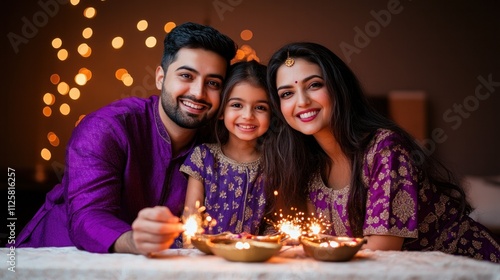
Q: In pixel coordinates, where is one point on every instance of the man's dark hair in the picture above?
(193, 35)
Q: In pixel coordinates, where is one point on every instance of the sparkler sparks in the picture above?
(315, 228)
(297, 225)
(192, 225)
(290, 228)
(196, 223)
(316, 225)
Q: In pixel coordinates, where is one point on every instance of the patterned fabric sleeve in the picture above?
(193, 165)
(391, 207)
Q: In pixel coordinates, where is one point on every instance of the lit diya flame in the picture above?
(330, 243)
(242, 245)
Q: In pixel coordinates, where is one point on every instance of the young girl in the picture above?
(226, 177)
(358, 169)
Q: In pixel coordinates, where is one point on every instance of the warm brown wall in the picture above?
(442, 47)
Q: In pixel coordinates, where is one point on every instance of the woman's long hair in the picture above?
(354, 123)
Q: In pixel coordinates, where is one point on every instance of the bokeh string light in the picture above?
(71, 89)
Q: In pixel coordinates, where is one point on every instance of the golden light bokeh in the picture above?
(63, 88)
(253, 57)
(151, 42)
(86, 72)
(240, 55)
(47, 111)
(62, 54)
(245, 53)
(45, 153)
(142, 25)
(55, 143)
(84, 50)
(117, 42)
(127, 79)
(74, 2)
(80, 79)
(53, 139)
(169, 26)
(49, 99)
(74, 93)
(120, 72)
(89, 12)
(246, 35)
(64, 109)
(51, 136)
(54, 79)
(87, 33)
(246, 49)
(56, 43)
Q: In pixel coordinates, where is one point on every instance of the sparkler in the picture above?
(297, 225)
(196, 223)
(316, 225)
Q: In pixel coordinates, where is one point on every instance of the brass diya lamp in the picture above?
(244, 249)
(199, 241)
(331, 248)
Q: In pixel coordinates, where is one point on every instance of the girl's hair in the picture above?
(354, 124)
(251, 72)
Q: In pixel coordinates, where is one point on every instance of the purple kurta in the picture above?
(400, 204)
(117, 162)
(234, 191)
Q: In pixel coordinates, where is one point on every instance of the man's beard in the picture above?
(179, 117)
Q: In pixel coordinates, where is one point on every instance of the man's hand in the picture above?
(154, 230)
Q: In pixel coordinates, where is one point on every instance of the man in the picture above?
(122, 190)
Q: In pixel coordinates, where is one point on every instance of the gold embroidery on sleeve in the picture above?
(403, 206)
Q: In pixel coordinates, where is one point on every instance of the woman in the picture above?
(347, 163)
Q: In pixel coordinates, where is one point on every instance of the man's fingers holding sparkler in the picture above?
(155, 229)
(158, 214)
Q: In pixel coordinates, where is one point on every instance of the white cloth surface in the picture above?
(290, 263)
